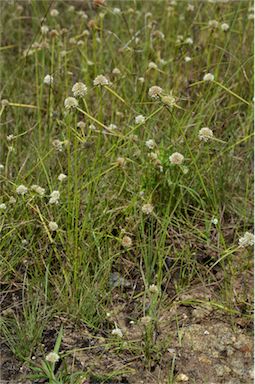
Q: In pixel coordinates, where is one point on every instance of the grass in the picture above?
(112, 174)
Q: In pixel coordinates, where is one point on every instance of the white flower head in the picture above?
(141, 79)
(246, 240)
(1, 167)
(176, 158)
(3, 207)
(153, 289)
(147, 208)
(150, 143)
(116, 11)
(208, 77)
(155, 92)
(112, 127)
(52, 357)
(168, 100)
(12, 200)
(117, 332)
(101, 80)
(213, 24)
(62, 177)
(81, 125)
(140, 119)
(39, 190)
(44, 29)
(187, 59)
(224, 27)
(116, 71)
(54, 12)
(214, 221)
(21, 190)
(79, 89)
(152, 65)
(189, 41)
(54, 197)
(205, 134)
(126, 241)
(53, 226)
(71, 102)
(48, 80)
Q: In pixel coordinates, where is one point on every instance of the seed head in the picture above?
(53, 226)
(79, 89)
(155, 92)
(147, 208)
(71, 102)
(52, 357)
(205, 134)
(176, 158)
(208, 77)
(127, 242)
(101, 80)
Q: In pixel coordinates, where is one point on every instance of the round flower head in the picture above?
(52, 357)
(208, 77)
(21, 190)
(147, 208)
(112, 127)
(150, 144)
(71, 102)
(121, 161)
(38, 189)
(116, 11)
(44, 29)
(246, 240)
(117, 332)
(116, 71)
(152, 65)
(187, 59)
(3, 207)
(168, 100)
(145, 320)
(153, 289)
(155, 92)
(12, 200)
(205, 134)
(176, 158)
(213, 24)
(189, 41)
(53, 226)
(101, 80)
(62, 177)
(54, 197)
(224, 27)
(126, 242)
(81, 125)
(140, 119)
(54, 13)
(141, 79)
(1, 167)
(48, 80)
(79, 89)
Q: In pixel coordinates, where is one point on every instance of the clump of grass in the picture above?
(126, 147)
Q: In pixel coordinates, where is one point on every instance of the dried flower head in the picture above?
(54, 197)
(126, 241)
(155, 92)
(52, 357)
(205, 134)
(246, 240)
(71, 102)
(147, 208)
(5, 102)
(150, 144)
(53, 226)
(208, 77)
(48, 80)
(79, 89)
(21, 190)
(176, 158)
(101, 80)
(140, 119)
